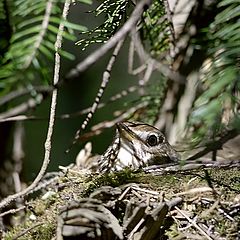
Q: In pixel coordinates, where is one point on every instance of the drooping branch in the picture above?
(41, 34)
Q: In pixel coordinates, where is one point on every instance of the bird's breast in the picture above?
(126, 158)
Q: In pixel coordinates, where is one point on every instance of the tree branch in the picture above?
(105, 80)
(126, 28)
(216, 144)
(41, 34)
(22, 92)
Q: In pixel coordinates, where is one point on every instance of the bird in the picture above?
(135, 145)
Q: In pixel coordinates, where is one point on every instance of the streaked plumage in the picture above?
(136, 145)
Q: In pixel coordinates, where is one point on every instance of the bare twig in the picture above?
(175, 6)
(126, 28)
(98, 128)
(21, 92)
(12, 211)
(27, 230)
(21, 118)
(114, 98)
(147, 63)
(44, 183)
(48, 142)
(169, 17)
(138, 47)
(190, 165)
(145, 58)
(130, 57)
(23, 107)
(105, 80)
(230, 134)
(194, 224)
(17, 155)
(146, 68)
(194, 191)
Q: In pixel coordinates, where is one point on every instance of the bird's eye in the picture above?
(152, 140)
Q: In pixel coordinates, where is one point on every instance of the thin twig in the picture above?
(22, 92)
(147, 63)
(190, 165)
(138, 47)
(48, 142)
(147, 74)
(27, 230)
(230, 134)
(105, 80)
(194, 191)
(12, 211)
(98, 128)
(44, 183)
(23, 107)
(21, 118)
(175, 6)
(18, 154)
(114, 98)
(130, 57)
(126, 28)
(194, 224)
(162, 68)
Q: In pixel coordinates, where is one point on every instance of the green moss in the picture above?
(113, 179)
(226, 178)
(45, 232)
(74, 186)
(36, 232)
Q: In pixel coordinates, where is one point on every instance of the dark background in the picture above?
(72, 97)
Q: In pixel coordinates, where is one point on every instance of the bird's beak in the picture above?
(124, 131)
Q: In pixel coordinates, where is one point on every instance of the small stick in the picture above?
(105, 80)
(27, 230)
(194, 223)
(12, 211)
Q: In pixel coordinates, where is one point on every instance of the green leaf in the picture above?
(228, 14)
(68, 24)
(208, 110)
(46, 52)
(75, 26)
(228, 2)
(67, 54)
(65, 34)
(30, 21)
(36, 8)
(86, 1)
(26, 32)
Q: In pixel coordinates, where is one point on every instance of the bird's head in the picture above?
(146, 143)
